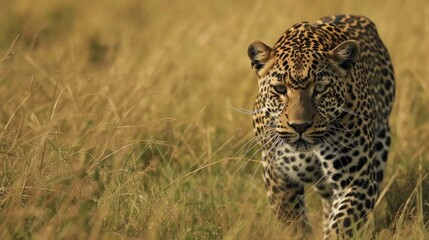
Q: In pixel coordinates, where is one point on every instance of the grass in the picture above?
(118, 120)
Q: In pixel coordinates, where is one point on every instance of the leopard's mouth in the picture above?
(300, 142)
(302, 145)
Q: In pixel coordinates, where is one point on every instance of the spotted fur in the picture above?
(325, 94)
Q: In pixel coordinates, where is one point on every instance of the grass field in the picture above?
(118, 119)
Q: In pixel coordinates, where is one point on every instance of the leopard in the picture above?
(321, 117)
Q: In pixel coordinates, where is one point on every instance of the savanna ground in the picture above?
(118, 119)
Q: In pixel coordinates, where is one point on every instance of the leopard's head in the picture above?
(302, 87)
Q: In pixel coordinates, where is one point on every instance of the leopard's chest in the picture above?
(301, 167)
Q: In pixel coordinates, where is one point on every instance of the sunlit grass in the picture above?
(118, 119)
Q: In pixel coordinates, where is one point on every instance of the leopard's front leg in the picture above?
(286, 197)
(353, 199)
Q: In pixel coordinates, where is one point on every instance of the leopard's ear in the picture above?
(261, 57)
(345, 54)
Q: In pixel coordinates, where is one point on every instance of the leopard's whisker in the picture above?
(247, 111)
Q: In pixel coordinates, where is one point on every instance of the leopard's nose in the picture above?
(300, 127)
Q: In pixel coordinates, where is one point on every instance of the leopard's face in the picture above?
(302, 106)
(301, 91)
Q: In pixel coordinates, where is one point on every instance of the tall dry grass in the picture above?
(118, 119)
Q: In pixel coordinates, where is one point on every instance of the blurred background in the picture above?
(119, 120)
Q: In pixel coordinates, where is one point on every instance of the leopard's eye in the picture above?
(320, 88)
(280, 88)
